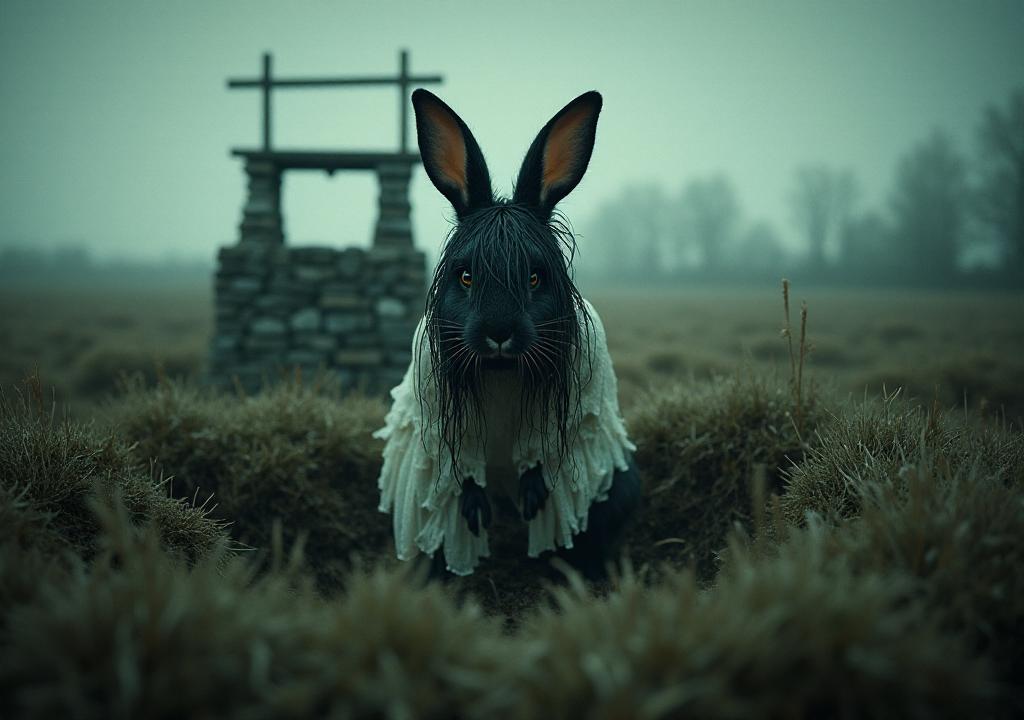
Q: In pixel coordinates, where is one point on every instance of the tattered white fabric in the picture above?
(420, 486)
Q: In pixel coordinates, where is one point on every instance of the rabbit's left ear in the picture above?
(559, 156)
(451, 156)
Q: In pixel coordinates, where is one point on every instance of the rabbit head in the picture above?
(502, 295)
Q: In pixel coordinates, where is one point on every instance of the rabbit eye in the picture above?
(466, 278)
(534, 281)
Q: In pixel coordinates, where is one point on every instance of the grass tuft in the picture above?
(905, 604)
(298, 453)
(52, 469)
(955, 533)
(873, 442)
(700, 447)
(140, 634)
(798, 634)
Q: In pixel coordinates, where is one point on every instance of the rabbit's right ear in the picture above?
(451, 157)
(559, 155)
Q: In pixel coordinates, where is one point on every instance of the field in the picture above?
(947, 346)
(955, 347)
(854, 552)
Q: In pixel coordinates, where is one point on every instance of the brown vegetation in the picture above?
(908, 607)
(953, 347)
(297, 454)
(798, 555)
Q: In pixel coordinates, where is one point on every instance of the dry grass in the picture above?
(799, 632)
(304, 455)
(53, 474)
(701, 448)
(878, 440)
(52, 470)
(80, 340)
(956, 534)
(932, 498)
(886, 580)
(142, 635)
(934, 345)
(298, 452)
(796, 635)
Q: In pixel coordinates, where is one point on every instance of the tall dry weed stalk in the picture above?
(796, 357)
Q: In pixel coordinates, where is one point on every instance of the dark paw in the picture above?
(475, 507)
(438, 568)
(532, 492)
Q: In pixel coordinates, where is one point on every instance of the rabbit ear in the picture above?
(559, 156)
(451, 157)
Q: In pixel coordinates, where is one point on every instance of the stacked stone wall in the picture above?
(350, 311)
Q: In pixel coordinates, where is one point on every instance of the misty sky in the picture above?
(116, 125)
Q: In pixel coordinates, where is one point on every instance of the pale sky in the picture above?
(116, 124)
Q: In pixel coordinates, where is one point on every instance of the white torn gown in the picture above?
(420, 487)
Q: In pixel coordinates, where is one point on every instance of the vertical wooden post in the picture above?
(265, 88)
(403, 90)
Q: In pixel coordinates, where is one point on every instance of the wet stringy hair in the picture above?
(501, 243)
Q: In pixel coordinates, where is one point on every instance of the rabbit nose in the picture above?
(499, 335)
(498, 347)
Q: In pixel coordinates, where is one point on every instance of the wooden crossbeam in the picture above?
(328, 82)
(266, 83)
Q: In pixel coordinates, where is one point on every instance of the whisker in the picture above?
(551, 341)
(533, 365)
(545, 356)
(552, 321)
(463, 350)
(451, 362)
(553, 350)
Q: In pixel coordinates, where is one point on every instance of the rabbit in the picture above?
(511, 390)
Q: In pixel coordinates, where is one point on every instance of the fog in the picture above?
(116, 122)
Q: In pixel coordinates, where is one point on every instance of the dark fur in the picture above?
(502, 246)
(606, 523)
(542, 330)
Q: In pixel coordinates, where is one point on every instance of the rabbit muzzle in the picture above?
(503, 335)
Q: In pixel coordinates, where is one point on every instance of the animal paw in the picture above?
(533, 493)
(475, 506)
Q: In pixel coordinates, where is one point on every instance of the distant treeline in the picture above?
(75, 264)
(951, 219)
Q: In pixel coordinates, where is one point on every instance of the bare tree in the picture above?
(628, 237)
(602, 240)
(1000, 197)
(645, 207)
(759, 250)
(865, 248)
(710, 209)
(822, 201)
(928, 205)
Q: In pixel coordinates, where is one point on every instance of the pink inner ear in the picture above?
(448, 148)
(561, 149)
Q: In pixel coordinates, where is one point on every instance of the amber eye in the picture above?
(534, 281)
(466, 278)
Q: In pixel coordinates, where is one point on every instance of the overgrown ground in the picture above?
(953, 346)
(932, 344)
(856, 557)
